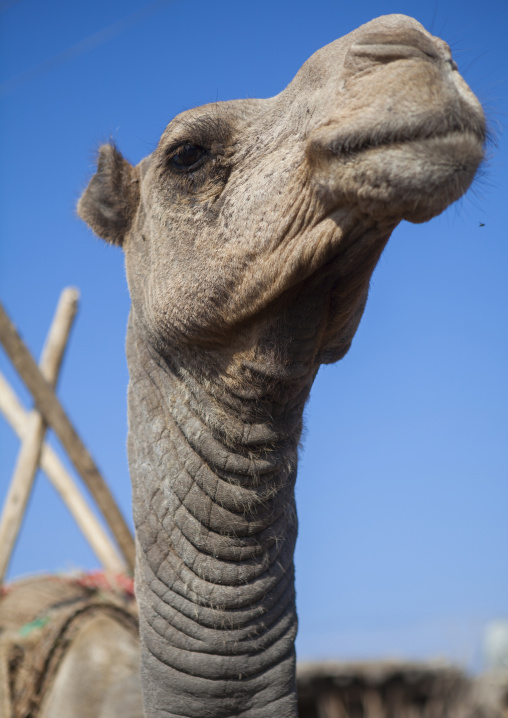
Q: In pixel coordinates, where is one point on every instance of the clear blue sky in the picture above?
(403, 484)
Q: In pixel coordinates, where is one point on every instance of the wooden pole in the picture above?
(11, 408)
(30, 452)
(55, 416)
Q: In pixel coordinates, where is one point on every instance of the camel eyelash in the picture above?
(187, 157)
(203, 132)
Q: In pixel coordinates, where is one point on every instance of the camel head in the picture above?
(244, 204)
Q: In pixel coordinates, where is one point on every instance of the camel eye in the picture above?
(187, 156)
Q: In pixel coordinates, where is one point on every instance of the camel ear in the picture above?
(109, 203)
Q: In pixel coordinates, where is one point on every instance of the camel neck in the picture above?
(216, 527)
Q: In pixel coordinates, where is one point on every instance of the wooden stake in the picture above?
(98, 539)
(30, 452)
(53, 413)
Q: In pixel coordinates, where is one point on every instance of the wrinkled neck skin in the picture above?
(213, 473)
(213, 440)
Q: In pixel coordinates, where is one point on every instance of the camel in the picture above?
(250, 235)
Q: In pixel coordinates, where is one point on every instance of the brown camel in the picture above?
(250, 236)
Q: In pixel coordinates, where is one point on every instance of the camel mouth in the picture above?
(349, 146)
(399, 175)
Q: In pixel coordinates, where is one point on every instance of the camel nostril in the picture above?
(384, 47)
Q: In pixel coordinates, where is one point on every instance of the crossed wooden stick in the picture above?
(31, 428)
